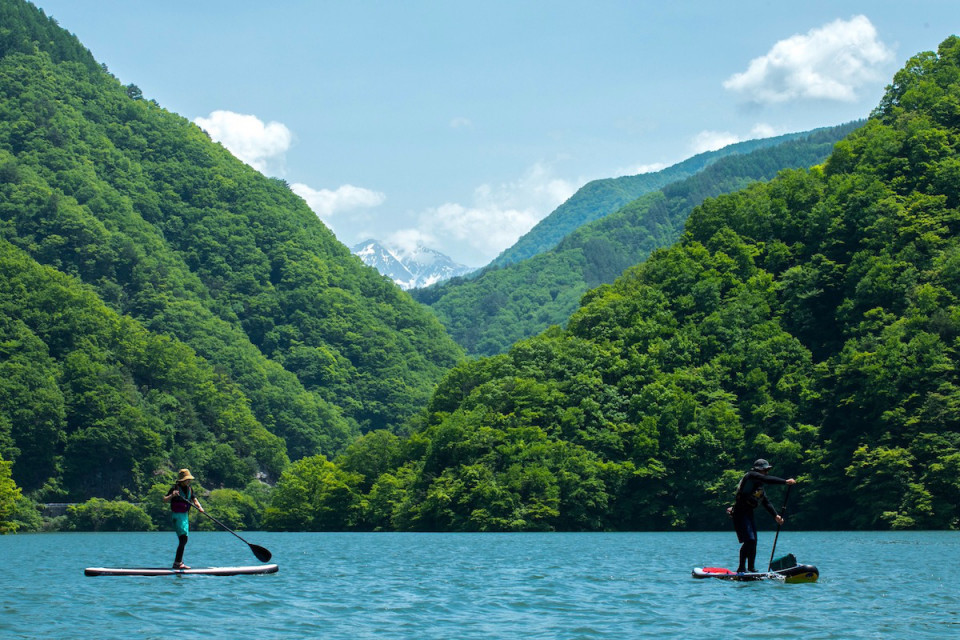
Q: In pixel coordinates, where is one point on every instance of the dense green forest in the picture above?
(489, 312)
(599, 198)
(162, 304)
(813, 320)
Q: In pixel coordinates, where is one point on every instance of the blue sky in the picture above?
(459, 125)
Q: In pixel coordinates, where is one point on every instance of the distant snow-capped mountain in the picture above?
(410, 270)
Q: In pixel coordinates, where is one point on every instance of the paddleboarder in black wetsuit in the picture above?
(750, 494)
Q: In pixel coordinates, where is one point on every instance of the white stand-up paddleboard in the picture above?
(199, 571)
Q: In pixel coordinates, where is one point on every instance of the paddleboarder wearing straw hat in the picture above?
(181, 497)
(750, 495)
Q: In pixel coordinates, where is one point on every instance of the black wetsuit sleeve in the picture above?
(769, 507)
(766, 502)
(748, 496)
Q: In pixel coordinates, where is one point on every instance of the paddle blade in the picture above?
(263, 555)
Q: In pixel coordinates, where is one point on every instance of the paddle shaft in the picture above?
(262, 554)
(783, 512)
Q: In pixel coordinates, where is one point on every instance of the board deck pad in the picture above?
(166, 571)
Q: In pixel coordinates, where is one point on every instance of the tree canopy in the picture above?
(813, 320)
(488, 312)
(600, 198)
(9, 494)
(164, 304)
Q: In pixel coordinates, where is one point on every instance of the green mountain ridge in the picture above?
(163, 305)
(813, 320)
(488, 313)
(599, 198)
(168, 230)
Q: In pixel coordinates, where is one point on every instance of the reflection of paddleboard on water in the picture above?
(199, 571)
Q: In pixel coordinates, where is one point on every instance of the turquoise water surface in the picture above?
(417, 585)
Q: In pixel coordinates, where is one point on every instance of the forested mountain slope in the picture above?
(813, 320)
(488, 313)
(130, 207)
(599, 198)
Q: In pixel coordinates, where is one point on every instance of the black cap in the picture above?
(762, 465)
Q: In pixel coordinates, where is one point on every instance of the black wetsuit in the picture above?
(750, 495)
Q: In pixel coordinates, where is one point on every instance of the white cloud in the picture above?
(460, 123)
(643, 168)
(763, 130)
(713, 140)
(651, 168)
(407, 243)
(326, 203)
(829, 63)
(261, 145)
(487, 229)
(496, 216)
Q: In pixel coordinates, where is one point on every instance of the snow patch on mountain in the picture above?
(421, 267)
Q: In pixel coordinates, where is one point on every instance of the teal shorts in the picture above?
(181, 523)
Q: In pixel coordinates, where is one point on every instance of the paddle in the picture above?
(263, 555)
(783, 512)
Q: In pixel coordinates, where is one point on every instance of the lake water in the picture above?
(452, 586)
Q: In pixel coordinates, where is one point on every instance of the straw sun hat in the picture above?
(184, 474)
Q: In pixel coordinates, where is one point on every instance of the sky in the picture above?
(459, 125)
